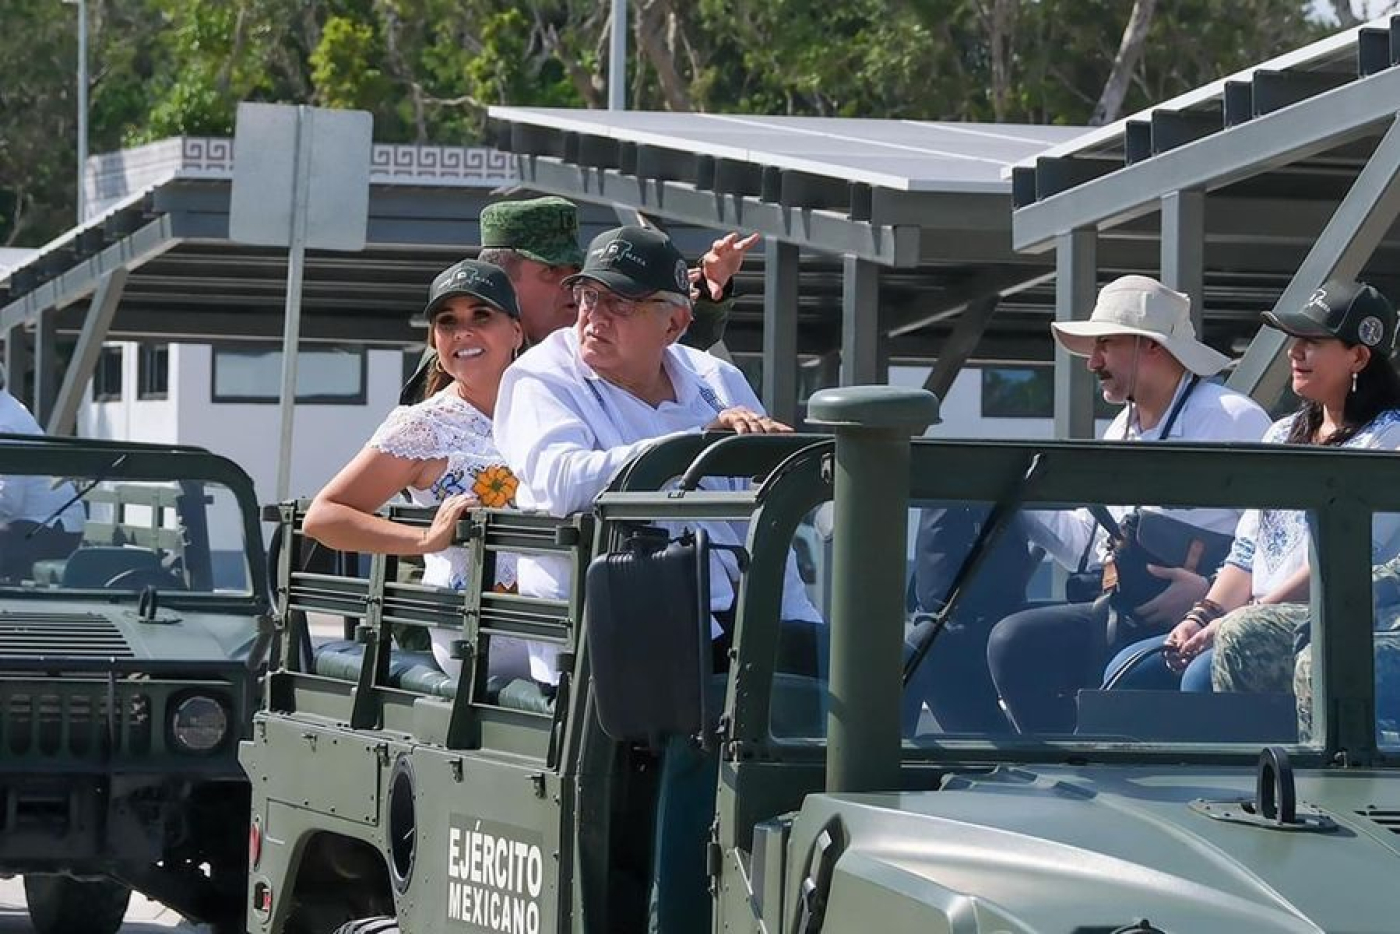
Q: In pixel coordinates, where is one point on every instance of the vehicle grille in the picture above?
(71, 635)
(1389, 819)
(73, 721)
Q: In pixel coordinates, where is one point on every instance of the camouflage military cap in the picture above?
(542, 229)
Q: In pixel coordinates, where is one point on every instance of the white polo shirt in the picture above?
(565, 432)
(33, 498)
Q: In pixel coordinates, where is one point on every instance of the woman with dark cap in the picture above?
(1240, 636)
(440, 450)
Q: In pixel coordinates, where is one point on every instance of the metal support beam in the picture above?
(45, 365)
(780, 288)
(956, 301)
(1347, 242)
(828, 231)
(860, 322)
(1183, 248)
(75, 381)
(1076, 283)
(1304, 129)
(18, 360)
(131, 251)
(967, 334)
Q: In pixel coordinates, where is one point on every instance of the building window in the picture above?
(1028, 392)
(107, 376)
(153, 371)
(325, 375)
(1018, 392)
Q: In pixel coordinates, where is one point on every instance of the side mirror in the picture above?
(647, 620)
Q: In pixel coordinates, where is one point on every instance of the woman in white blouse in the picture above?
(439, 450)
(1340, 358)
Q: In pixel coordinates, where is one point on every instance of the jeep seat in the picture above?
(94, 565)
(418, 672)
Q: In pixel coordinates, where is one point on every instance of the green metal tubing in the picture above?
(873, 428)
(868, 594)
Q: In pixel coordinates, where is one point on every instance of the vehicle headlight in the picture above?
(199, 723)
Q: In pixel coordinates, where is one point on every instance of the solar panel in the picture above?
(907, 155)
(1336, 53)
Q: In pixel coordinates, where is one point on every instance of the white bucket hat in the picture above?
(1142, 306)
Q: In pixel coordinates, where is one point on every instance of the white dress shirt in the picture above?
(33, 498)
(565, 432)
(1210, 413)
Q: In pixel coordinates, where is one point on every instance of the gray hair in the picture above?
(502, 256)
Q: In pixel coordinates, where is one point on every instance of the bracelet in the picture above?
(1195, 617)
(1207, 609)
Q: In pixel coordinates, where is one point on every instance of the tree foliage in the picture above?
(428, 69)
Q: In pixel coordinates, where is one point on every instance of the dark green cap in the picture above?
(1352, 312)
(542, 229)
(476, 279)
(635, 262)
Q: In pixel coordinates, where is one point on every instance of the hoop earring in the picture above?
(437, 363)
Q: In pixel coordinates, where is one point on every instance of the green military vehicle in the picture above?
(128, 673)
(644, 791)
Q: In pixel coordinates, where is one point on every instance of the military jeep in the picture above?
(648, 790)
(128, 665)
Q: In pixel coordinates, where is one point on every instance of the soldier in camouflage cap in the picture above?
(536, 242)
(542, 229)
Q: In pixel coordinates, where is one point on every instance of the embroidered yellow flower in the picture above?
(495, 486)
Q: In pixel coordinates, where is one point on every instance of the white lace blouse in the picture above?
(446, 425)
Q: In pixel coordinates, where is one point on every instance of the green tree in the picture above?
(428, 69)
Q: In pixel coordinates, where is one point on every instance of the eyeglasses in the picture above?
(592, 299)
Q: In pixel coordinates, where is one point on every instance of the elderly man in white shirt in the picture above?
(1140, 343)
(38, 519)
(584, 401)
(578, 406)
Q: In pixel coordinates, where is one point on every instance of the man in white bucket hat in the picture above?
(1140, 343)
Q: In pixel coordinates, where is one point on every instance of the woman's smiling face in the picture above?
(474, 340)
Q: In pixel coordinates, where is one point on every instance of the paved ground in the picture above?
(143, 917)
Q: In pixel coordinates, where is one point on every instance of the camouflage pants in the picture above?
(1387, 649)
(1254, 648)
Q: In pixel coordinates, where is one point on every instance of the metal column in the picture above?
(780, 288)
(18, 359)
(860, 322)
(1341, 250)
(1184, 248)
(1076, 285)
(95, 326)
(45, 364)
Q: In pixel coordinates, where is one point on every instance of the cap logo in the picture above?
(1319, 299)
(620, 250)
(1370, 330)
(682, 276)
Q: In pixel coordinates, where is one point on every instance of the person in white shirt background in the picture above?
(1140, 343)
(39, 518)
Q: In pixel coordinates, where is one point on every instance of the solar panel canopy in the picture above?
(906, 155)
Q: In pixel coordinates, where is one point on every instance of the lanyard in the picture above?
(1167, 424)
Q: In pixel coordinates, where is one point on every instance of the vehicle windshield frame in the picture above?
(1342, 489)
(78, 458)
